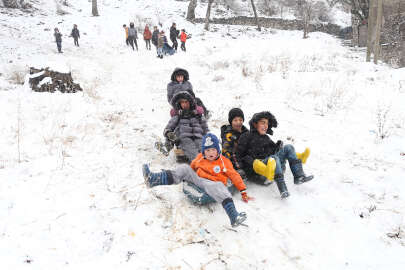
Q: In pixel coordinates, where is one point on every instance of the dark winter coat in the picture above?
(175, 87)
(58, 37)
(133, 33)
(75, 33)
(230, 140)
(187, 124)
(252, 145)
(174, 33)
(155, 37)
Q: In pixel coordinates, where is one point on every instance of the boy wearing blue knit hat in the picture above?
(210, 172)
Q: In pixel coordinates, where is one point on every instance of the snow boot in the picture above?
(266, 170)
(282, 187)
(155, 179)
(298, 172)
(304, 155)
(235, 217)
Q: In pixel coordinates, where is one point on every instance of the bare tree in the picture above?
(94, 9)
(370, 30)
(307, 7)
(254, 11)
(191, 10)
(207, 17)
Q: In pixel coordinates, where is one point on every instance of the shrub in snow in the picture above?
(383, 121)
(16, 73)
(45, 80)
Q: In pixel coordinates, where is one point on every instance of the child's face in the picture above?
(262, 125)
(184, 104)
(237, 123)
(211, 154)
(179, 78)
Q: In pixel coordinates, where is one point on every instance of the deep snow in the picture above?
(77, 197)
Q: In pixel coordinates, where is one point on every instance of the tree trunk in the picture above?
(94, 9)
(377, 47)
(207, 17)
(254, 11)
(191, 10)
(370, 27)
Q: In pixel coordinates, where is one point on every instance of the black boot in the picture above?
(156, 179)
(298, 172)
(235, 217)
(282, 187)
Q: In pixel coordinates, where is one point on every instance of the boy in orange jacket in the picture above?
(209, 171)
(183, 38)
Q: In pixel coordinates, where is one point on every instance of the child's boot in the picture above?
(304, 155)
(298, 172)
(155, 179)
(282, 187)
(266, 170)
(235, 217)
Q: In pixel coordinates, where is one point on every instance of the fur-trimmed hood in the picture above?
(267, 115)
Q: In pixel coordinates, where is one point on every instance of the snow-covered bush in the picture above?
(383, 129)
(16, 73)
(15, 3)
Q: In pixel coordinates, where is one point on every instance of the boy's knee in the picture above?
(289, 147)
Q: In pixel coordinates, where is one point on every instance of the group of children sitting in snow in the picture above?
(247, 155)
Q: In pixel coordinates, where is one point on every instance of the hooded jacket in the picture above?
(252, 145)
(187, 124)
(175, 87)
(230, 138)
(219, 170)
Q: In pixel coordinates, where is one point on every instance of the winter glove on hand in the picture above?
(200, 110)
(171, 136)
(245, 197)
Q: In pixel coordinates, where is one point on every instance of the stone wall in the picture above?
(275, 23)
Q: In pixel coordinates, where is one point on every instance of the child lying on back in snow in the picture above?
(209, 171)
(186, 128)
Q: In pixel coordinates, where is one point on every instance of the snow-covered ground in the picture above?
(77, 199)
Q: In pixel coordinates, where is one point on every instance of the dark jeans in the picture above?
(76, 40)
(183, 46)
(132, 40)
(127, 41)
(59, 45)
(174, 44)
(147, 41)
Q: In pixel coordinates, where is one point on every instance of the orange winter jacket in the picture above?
(183, 37)
(220, 169)
(126, 32)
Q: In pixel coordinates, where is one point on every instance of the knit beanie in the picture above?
(210, 141)
(235, 112)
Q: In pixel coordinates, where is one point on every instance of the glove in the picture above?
(245, 197)
(279, 145)
(171, 136)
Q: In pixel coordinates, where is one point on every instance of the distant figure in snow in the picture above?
(174, 33)
(155, 36)
(132, 36)
(160, 44)
(147, 36)
(75, 34)
(126, 34)
(58, 39)
(183, 38)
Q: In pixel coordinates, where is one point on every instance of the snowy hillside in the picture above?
(77, 200)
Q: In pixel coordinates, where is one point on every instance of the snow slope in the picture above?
(77, 199)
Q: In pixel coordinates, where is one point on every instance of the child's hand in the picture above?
(246, 198)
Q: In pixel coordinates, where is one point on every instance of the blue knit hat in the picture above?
(210, 141)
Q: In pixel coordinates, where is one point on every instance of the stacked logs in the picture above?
(52, 81)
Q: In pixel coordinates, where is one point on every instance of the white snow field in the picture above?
(72, 194)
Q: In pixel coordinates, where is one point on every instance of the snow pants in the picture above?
(216, 190)
(132, 40)
(191, 147)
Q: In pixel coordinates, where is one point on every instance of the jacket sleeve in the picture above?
(170, 90)
(234, 175)
(204, 125)
(171, 126)
(242, 155)
(226, 146)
